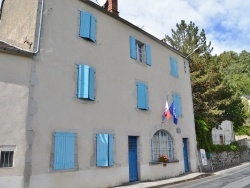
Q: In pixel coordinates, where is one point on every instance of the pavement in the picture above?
(170, 181)
(180, 179)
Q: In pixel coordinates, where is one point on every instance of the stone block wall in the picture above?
(219, 161)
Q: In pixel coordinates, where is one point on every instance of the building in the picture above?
(82, 94)
(223, 134)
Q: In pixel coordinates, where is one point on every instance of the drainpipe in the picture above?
(39, 29)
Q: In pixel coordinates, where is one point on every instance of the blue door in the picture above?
(132, 156)
(185, 154)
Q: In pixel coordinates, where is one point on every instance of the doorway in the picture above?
(185, 154)
(132, 158)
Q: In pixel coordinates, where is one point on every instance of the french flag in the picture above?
(167, 111)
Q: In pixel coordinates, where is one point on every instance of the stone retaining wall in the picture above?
(219, 161)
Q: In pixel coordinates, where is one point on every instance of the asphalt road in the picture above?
(237, 177)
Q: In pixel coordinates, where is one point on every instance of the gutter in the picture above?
(39, 30)
(90, 3)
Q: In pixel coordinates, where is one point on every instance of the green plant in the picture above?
(163, 158)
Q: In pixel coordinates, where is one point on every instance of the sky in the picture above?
(226, 22)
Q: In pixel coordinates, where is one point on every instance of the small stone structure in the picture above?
(223, 134)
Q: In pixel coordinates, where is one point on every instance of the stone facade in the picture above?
(223, 160)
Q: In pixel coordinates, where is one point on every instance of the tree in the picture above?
(187, 37)
(214, 95)
(236, 70)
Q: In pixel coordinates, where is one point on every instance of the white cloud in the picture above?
(226, 22)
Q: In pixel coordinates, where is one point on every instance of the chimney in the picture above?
(112, 6)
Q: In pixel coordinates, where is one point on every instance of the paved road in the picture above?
(237, 177)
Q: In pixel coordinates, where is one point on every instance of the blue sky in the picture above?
(226, 22)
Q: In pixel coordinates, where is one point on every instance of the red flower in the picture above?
(163, 158)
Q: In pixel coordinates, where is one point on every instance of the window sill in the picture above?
(158, 162)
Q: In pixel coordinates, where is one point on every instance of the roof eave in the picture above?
(90, 3)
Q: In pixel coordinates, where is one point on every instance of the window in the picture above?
(104, 150)
(86, 82)
(142, 96)
(87, 26)
(140, 51)
(64, 151)
(162, 144)
(6, 159)
(177, 101)
(1, 7)
(174, 67)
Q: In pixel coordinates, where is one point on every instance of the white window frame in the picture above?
(7, 149)
(162, 143)
(140, 52)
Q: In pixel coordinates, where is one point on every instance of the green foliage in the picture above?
(244, 130)
(218, 82)
(203, 134)
(236, 70)
(234, 146)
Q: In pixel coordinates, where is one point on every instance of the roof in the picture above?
(90, 3)
(4, 46)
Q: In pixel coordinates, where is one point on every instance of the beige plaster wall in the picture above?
(18, 23)
(114, 109)
(14, 95)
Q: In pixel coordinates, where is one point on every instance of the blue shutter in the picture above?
(174, 67)
(93, 29)
(177, 100)
(179, 104)
(148, 55)
(111, 150)
(102, 150)
(142, 96)
(83, 81)
(85, 24)
(64, 151)
(91, 84)
(132, 47)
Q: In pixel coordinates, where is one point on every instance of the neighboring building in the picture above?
(223, 134)
(86, 110)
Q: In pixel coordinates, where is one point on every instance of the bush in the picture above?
(244, 130)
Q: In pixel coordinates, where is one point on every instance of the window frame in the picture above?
(10, 160)
(87, 27)
(85, 82)
(178, 104)
(104, 150)
(174, 67)
(140, 51)
(158, 149)
(67, 165)
(7, 148)
(142, 96)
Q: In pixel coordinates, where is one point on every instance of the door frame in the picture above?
(185, 154)
(135, 164)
